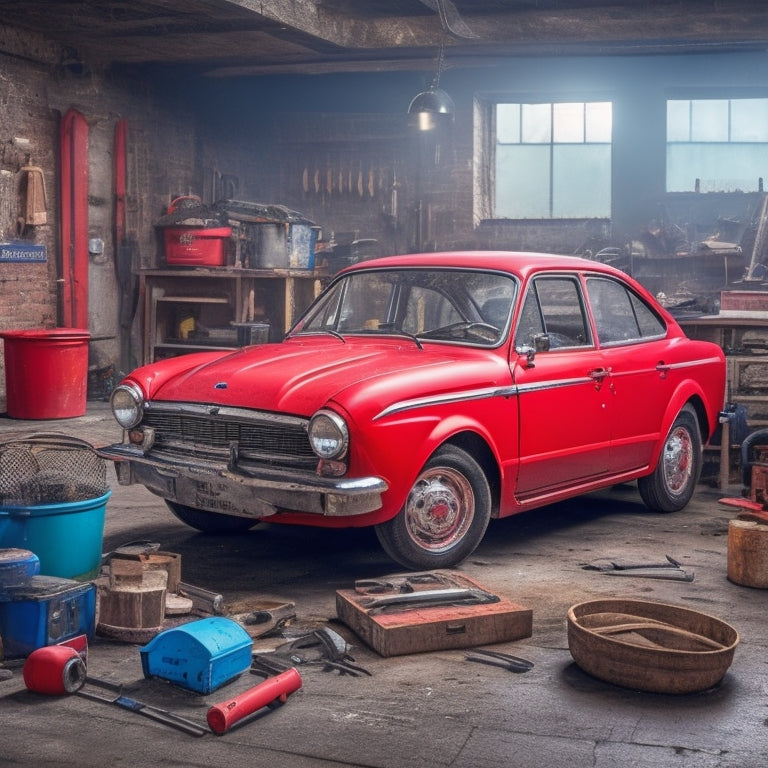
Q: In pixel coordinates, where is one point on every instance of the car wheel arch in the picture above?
(477, 447)
(676, 404)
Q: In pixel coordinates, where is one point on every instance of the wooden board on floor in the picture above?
(434, 628)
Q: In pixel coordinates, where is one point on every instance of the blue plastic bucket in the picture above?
(66, 537)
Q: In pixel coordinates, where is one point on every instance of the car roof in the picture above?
(517, 262)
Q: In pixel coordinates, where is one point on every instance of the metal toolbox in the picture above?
(45, 610)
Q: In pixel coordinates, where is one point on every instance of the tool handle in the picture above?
(161, 715)
(225, 714)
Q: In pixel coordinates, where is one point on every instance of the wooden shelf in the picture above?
(217, 298)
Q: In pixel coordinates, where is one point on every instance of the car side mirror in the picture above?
(540, 344)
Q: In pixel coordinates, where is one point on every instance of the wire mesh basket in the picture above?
(50, 469)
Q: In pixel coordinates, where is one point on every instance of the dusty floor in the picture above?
(432, 709)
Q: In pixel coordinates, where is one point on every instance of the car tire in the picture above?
(209, 522)
(672, 484)
(445, 515)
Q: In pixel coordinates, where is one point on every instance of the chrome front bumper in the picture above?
(253, 493)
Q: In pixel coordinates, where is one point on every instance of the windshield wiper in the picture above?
(390, 328)
(329, 331)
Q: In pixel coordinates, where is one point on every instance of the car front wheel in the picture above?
(445, 515)
(673, 482)
(209, 522)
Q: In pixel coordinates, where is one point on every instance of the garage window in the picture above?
(552, 160)
(716, 145)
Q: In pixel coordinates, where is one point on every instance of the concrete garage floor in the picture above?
(430, 710)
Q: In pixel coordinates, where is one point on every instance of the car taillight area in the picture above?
(232, 435)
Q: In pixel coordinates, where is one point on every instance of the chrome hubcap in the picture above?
(678, 460)
(440, 509)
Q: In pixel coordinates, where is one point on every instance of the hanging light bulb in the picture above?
(434, 103)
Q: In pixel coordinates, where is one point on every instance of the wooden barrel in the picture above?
(748, 553)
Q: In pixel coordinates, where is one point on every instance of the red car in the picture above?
(426, 394)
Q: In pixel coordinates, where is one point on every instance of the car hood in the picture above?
(300, 376)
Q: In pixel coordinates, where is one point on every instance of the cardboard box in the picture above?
(399, 631)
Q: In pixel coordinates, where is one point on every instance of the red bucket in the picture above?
(46, 373)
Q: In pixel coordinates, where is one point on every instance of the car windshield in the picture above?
(444, 305)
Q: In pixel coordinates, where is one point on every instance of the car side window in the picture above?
(620, 315)
(553, 306)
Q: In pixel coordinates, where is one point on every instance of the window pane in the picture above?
(678, 120)
(537, 128)
(522, 182)
(568, 123)
(599, 121)
(508, 123)
(560, 301)
(749, 120)
(709, 120)
(720, 167)
(581, 181)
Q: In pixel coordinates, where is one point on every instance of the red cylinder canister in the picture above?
(224, 715)
(55, 670)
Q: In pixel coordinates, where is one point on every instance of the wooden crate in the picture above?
(434, 628)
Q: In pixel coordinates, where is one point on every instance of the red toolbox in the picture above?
(196, 246)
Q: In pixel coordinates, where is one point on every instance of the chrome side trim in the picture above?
(444, 399)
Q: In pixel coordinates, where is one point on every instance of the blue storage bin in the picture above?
(45, 610)
(201, 655)
(67, 537)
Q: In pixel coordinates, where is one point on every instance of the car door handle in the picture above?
(663, 369)
(598, 374)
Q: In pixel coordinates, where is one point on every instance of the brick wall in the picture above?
(35, 91)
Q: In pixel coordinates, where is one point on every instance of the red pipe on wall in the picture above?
(121, 139)
(74, 220)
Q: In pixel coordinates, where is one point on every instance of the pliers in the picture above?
(497, 659)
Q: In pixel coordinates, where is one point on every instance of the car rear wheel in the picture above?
(445, 515)
(673, 482)
(209, 522)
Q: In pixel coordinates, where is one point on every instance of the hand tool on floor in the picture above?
(273, 691)
(669, 569)
(154, 713)
(498, 659)
(322, 647)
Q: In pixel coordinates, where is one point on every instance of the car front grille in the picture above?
(212, 433)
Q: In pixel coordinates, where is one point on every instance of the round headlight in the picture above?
(127, 401)
(328, 435)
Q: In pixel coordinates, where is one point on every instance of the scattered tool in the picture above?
(670, 569)
(428, 597)
(323, 647)
(58, 669)
(497, 659)
(154, 713)
(399, 584)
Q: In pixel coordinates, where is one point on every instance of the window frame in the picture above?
(485, 156)
(731, 152)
